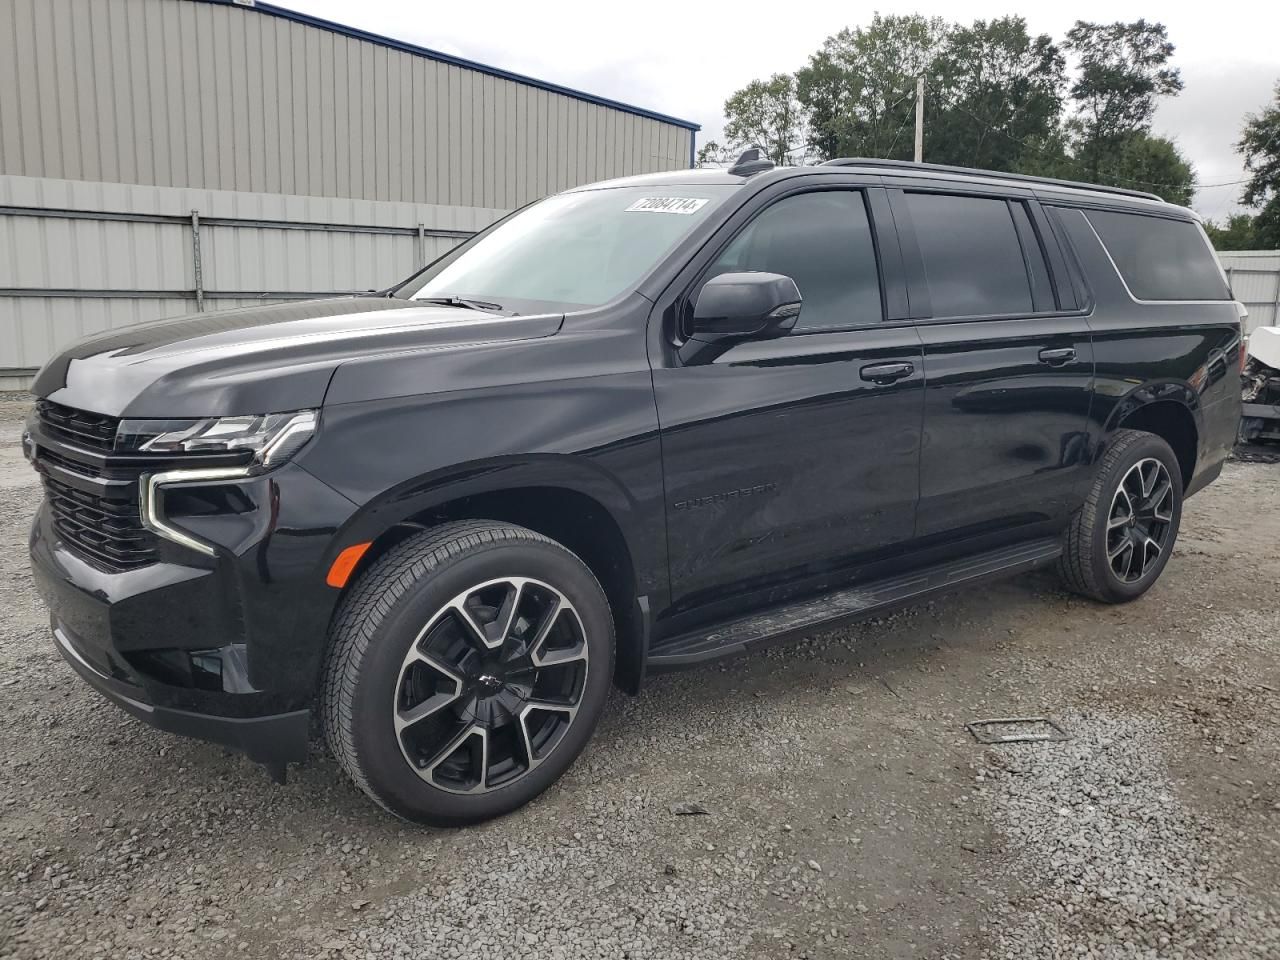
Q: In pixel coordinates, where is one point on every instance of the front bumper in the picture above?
(274, 740)
(225, 648)
(1260, 421)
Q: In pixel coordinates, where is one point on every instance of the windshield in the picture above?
(571, 250)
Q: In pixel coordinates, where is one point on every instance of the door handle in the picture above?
(887, 372)
(1057, 356)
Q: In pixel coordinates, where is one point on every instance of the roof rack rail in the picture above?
(974, 171)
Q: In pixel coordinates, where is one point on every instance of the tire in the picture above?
(1093, 561)
(411, 671)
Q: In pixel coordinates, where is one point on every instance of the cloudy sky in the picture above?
(685, 58)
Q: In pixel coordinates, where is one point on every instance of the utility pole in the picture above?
(920, 118)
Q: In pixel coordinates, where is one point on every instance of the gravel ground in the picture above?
(849, 813)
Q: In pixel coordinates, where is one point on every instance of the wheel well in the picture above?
(574, 520)
(1173, 423)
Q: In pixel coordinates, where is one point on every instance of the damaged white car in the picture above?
(1260, 413)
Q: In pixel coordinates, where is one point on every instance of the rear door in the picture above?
(1008, 364)
(786, 461)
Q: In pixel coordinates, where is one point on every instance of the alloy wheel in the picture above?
(490, 685)
(1139, 521)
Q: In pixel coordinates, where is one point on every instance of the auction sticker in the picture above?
(685, 205)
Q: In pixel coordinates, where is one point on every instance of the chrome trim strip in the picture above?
(151, 503)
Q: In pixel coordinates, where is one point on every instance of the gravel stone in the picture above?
(854, 816)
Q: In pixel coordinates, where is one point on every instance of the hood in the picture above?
(257, 359)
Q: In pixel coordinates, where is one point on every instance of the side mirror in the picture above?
(745, 305)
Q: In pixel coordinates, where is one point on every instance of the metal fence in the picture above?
(1254, 276)
(77, 257)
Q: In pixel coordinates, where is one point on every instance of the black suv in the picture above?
(635, 426)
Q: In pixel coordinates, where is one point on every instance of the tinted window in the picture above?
(1160, 259)
(822, 241)
(972, 258)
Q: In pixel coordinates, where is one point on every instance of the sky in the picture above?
(685, 58)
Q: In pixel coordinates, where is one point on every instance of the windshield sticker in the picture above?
(685, 205)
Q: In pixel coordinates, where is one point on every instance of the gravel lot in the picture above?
(851, 815)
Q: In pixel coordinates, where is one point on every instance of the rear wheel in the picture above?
(467, 670)
(1119, 541)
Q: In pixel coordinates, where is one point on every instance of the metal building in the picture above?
(1255, 281)
(163, 156)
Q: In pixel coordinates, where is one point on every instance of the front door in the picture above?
(787, 461)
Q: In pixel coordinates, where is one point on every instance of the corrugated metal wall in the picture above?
(76, 258)
(203, 94)
(1255, 282)
(118, 118)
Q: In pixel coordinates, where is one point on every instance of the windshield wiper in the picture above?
(465, 302)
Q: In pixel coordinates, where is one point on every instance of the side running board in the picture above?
(841, 606)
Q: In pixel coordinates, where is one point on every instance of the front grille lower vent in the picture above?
(106, 530)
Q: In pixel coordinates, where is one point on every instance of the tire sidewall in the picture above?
(373, 734)
(1147, 447)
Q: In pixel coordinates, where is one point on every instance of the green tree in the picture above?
(997, 96)
(1266, 226)
(765, 113)
(1155, 164)
(711, 154)
(991, 88)
(858, 91)
(1123, 69)
(1236, 234)
(1260, 144)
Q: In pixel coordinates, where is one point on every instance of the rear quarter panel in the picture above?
(1149, 351)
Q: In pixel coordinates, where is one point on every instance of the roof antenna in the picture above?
(751, 161)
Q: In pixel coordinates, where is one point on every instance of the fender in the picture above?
(419, 497)
(1201, 436)
(1112, 410)
(422, 495)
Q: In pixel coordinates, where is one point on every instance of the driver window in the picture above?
(823, 242)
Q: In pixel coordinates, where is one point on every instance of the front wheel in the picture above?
(468, 667)
(1119, 541)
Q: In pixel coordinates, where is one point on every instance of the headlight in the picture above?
(272, 438)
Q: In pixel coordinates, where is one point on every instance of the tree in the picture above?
(997, 96)
(1260, 144)
(858, 91)
(711, 154)
(1142, 162)
(765, 113)
(990, 89)
(1236, 234)
(1123, 69)
(1266, 226)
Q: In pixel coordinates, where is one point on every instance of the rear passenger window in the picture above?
(972, 258)
(1160, 259)
(822, 241)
